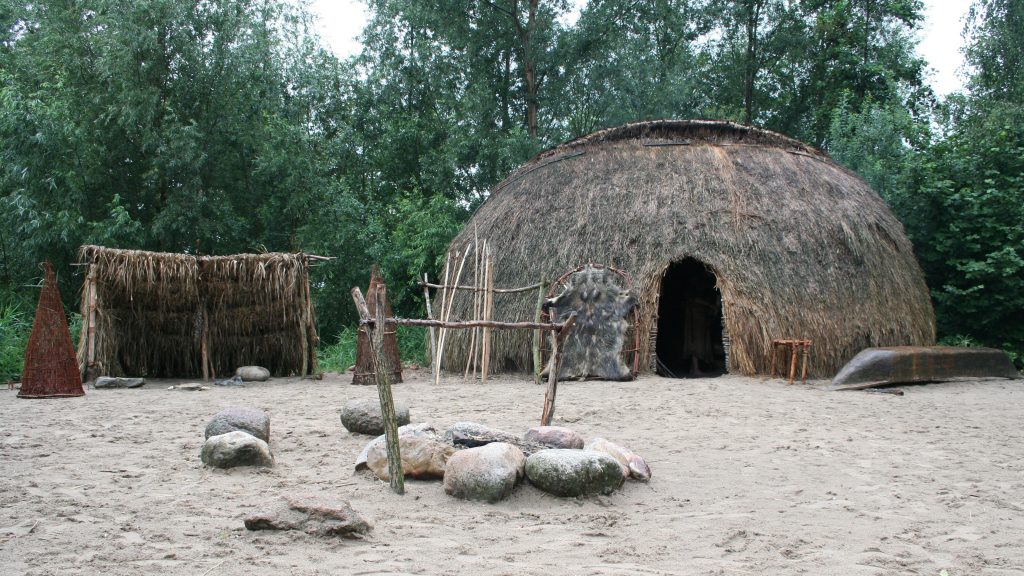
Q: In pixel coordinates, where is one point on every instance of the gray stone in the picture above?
(364, 416)
(253, 373)
(554, 437)
(574, 472)
(250, 420)
(110, 382)
(311, 514)
(236, 449)
(473, 434)
(486, 473)
(233, 381)
(422, 429)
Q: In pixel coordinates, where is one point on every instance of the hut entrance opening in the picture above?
(689, 341)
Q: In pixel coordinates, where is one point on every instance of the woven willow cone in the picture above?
(364, 372)
(51, 368)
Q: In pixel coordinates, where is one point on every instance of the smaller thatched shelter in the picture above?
(177, 315)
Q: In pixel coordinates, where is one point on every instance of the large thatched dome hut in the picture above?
(733, 236)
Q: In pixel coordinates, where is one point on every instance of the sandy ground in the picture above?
(750, 477)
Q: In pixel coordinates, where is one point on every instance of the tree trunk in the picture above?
(750, 68)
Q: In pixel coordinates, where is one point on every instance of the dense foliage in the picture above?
(224, 126)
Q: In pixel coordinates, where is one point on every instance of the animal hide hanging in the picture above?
(593, 348)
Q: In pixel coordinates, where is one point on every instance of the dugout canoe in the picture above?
(908, 364)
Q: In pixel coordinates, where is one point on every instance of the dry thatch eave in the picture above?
(800, 246)
(159, 314)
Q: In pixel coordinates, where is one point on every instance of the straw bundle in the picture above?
(154, 314)
(800, 246)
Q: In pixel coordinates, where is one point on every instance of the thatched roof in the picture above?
(800, 246)
(154, 311)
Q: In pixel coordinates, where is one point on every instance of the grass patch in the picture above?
(337, 357)
(15, 327)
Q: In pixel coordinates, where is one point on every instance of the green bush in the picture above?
(15, 327)
(337, 357)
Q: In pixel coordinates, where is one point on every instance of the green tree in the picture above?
(963, 203)
(996, 31)
(202, 127)
(857, 50)
(964, 212)
(629, 61)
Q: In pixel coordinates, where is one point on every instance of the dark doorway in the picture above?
(689, 322)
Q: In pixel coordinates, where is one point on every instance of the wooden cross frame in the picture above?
(387, 405)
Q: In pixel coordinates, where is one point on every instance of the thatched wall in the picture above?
(177, 315)
(800, 246)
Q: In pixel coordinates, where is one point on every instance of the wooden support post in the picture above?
(86, 352)
(375, 330)
(307, 345)
(807, 351)
(204, 357)
(441, 330)
(446, 314)
(794, 351)
(314, 339)
(557, 338)
(537, 368)
(775, 354)
(471, 357)
(485, 358)
(430, 316)
(304, 343)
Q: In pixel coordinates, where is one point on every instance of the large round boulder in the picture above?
(423, 429)
(365, 417)
(486, 473)
(421, 457)
(574, 472)
(554, 437)
(236, 449)
(252, 373)
(249, 420)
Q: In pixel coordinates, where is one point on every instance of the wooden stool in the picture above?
(795, 347)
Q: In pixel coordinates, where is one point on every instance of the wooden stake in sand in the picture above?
(557, 337)
(440, 333)
(375, 330)
(485, 352)
(537, 368)
(471, 357)
(430, 316)
(446, 313)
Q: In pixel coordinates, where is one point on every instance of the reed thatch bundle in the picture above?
(176, 315)
(799, 246)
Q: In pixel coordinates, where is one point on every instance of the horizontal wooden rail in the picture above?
(470, 324)
(481, 289)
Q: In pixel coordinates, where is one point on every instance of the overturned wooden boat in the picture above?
(907, 364)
